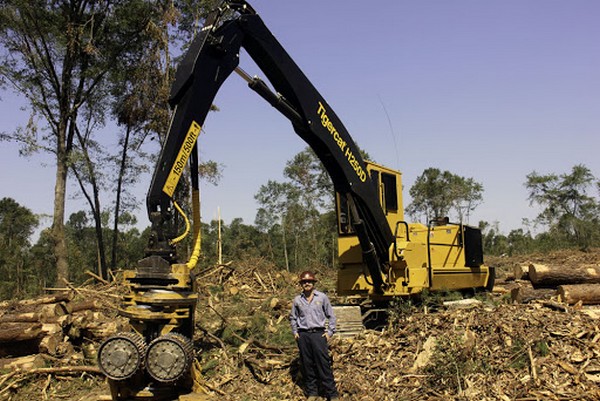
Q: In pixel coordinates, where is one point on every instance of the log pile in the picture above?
(54, 326)
(571, 285)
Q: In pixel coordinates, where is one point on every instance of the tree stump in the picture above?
(521, 272)
(523, 295)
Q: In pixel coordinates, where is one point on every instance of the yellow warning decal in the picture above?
(182, 158)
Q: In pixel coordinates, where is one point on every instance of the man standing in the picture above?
(313, 324)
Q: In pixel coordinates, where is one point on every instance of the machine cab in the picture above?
(389, 189)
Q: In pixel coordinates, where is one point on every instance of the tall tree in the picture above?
(58, 55)
(315, 190)
(298, 212)
(275, 199)
(436, 193)
(566, 205)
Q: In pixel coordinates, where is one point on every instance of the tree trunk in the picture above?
(588, 294)
(102, 269)
(122, 167)
(543, 276)
(94, 201)
(285, 252)
(58, 222)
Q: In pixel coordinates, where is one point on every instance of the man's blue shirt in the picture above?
(315, 314)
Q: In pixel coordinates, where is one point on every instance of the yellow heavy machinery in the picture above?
(381, 256)
(438, 256)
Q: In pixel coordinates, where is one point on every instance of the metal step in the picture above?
(349, 320)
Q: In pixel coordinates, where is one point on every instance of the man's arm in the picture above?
(328, 309)
(294, 319)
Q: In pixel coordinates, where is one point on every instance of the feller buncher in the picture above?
(381, 256)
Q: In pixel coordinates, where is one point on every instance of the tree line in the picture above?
(295, 226)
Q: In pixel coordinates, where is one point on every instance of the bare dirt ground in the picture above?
(490, 350)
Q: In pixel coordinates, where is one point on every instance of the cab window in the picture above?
(390, 192)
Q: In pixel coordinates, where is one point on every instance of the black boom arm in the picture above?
(212, 57)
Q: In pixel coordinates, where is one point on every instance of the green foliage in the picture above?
(30, 269)
(542, 348)
(436, 193)
(43, 263)
(16, 226)
(80, 63)
(453, 359)
(519, 358)
(495, 243)
(398, 309)
(570, 215)
(297, 215)
(567, 209)
(209, 368)
(239, 241)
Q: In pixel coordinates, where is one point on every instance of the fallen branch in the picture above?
(97, 277)
(63, 370)
(217, 339)
(21, 375)
(260, 281)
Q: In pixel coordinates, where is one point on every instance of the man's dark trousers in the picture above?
(314, 357)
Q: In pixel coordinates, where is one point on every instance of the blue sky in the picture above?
(490, 90)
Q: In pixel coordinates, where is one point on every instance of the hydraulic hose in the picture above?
(187, 224)
(197, 238)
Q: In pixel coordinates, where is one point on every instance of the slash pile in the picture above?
(487, 350)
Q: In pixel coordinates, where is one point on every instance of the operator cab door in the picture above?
(389, 189)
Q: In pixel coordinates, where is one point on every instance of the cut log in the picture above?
(50, 343)
(48, 299)
(35, 317)
(588, 294)
(92, 304)
(51, 328)
(56, 309)
(27, 317)
(38, 311)
(62, 321)
(10, 332)
(101, 329)
(22, 363)
(523, 295)
(544, 276)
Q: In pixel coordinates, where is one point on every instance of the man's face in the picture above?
(307, 285)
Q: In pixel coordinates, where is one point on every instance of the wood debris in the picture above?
(493, 350)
